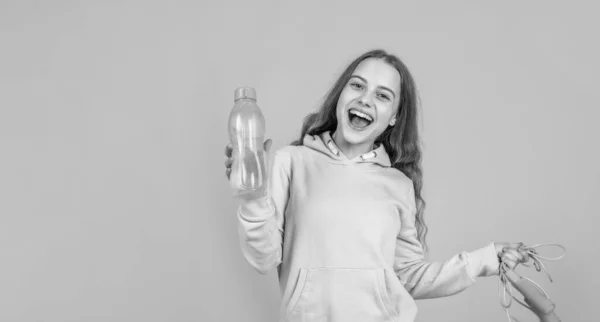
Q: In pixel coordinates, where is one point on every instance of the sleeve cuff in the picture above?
(484, 261)
(258, 209)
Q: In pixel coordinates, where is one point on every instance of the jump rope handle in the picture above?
(533, 297)
(549, 318)
(544, 317)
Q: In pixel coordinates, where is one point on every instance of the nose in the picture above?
(366, 100)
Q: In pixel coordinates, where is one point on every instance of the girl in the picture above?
(343, 217)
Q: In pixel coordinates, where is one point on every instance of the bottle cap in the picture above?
(244, 92)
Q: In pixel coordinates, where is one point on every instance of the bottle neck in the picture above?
(246, 99)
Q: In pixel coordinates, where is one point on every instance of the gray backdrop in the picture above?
(113, 121)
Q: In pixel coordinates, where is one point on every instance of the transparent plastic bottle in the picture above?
(248, 178)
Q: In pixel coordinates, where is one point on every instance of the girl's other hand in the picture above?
(511, 254)
(229, 156)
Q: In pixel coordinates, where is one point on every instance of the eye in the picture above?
(384, 97)
(356, 85)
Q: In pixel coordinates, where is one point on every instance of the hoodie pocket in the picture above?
(340, 294)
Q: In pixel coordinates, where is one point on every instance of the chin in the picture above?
(353, 137)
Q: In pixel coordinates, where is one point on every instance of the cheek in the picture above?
(346, 97)
(339, 110)
(385, 114)
(343, 102)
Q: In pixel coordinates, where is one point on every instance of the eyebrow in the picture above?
(383, 87)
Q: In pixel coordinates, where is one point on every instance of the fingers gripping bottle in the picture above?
(246, 132)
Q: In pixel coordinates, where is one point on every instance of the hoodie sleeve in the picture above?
(437, 279)
(261, 221)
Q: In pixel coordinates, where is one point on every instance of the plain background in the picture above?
(113, 122)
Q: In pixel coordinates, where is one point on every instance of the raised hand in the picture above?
(511, 254)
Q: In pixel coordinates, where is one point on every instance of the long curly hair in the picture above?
(401, 142)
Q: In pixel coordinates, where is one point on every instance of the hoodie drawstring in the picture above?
(331, 147)
(368, 155)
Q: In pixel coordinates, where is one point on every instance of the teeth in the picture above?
(363, 115)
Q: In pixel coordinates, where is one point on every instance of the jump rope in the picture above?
(536, 300)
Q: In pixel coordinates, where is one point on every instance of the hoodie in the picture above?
(342, 235)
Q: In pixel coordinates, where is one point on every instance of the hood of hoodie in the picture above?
(324, 143)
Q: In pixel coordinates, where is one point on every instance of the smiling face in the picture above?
(367, 104)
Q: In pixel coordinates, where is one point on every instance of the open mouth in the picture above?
(358, 119)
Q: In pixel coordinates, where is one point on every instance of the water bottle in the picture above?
(248, 178)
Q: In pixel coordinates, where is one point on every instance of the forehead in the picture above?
(379, 73)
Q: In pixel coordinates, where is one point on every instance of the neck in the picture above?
(351, 150)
